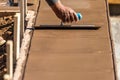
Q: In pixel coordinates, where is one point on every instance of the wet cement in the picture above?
(72, 54)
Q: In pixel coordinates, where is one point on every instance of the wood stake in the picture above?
(16, 36)
(9, 46)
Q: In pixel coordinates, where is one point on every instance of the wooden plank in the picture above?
(6, 14)
(31, 5)
(16, 36)
(9, 9)
(9, 49)
(114, 1)
(22, 17)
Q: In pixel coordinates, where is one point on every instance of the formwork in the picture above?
(114, 1)
(20, 20)
(6, 32)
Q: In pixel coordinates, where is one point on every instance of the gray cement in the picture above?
(115, 28)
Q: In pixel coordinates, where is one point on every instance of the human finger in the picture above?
(75, 16)
(68, 19)
(72, 17)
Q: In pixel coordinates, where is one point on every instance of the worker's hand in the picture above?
(64, 13)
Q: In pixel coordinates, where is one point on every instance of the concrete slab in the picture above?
(72, 54)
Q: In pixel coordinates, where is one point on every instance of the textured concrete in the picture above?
(115, 27)
(72, 54)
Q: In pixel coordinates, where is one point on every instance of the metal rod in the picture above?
(16, 36)
(23, 11)
(9, 64)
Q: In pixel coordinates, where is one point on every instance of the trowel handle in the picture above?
(79, 15)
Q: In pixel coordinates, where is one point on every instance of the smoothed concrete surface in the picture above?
(72, 54)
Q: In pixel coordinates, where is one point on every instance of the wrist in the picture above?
(51, 2)
(56, 6)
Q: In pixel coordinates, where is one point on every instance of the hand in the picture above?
(64, 13)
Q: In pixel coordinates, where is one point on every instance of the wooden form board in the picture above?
(114, 1)
(72, 54)
(15, 8)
